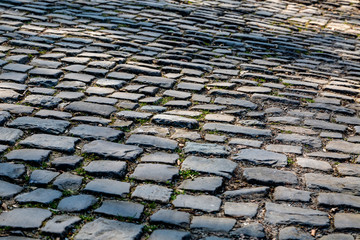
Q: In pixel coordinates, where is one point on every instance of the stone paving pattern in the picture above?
(213, 120)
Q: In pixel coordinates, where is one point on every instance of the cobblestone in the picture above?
(179, 119)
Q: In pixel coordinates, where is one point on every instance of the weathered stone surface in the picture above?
(89, 132)
(40, 195)
(92, 108)
(212, 224)
(11, 170)
(299, 139)
(8, 190)
(171, 217)
(155, 172)
(106, 229)
(217, 166)
(334, 184)
(60, 225)
(163, 234)
(112, 150)
(206, 149)
(261, 157)
(202, 202)
(283, 214)
(244, 210)
(108, 187)
(338, 200)
(176, 121)
(204, 184)
(76, 203)
(343, 146)
(24, 218)
(294, 233)
(269, 176)
(121, 208)
(252, 230)
(151, 192)
(57, 143)
(347, 221)
(151, 141)
(45, 125)
(288, 194)
(234, 129)
(9, 135)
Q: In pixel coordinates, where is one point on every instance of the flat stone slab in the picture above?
(176, 121)
(151, 192)
(234, 129)
(160, 157)
(206, 149)
(105, 229)
(299, 139)
(243, 210)
(40, 195)
(60, 225)
(313, 164)
(45, 125)
(334, 184)
(89, 132)
(10, 135)
(68, 181)
(152, 141)
(92, 108)
(343, 146)
(212, 224)
(269, 176)
(7, 190)
(338, 200)
(11, 170)
(76, 203)
(121, 208)
(163, 234)
(347, 221)
(283, 214)
(24, 218)
(106, 168)
(29, 155)
(261, 157)
(289, 233)
(289, 194)
(218, 166)
(46, 141)
(42, 177)
(203, 184)
(108, 187)
(112, 150)
(155, 172)
(171, 217)
(203, 202)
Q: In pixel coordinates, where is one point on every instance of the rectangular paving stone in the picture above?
(218, 166)
(112, 150)
(46, 141)
(45, 125)
(152, 141)
(92, 108)
(202, 202)
(10, 135)
(335, 184)
(24, 218)
(343, 146)
(234, 129)
(105, 229)
(283, 214)
(121, 208)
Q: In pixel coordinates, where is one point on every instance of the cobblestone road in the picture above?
(169, 120)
